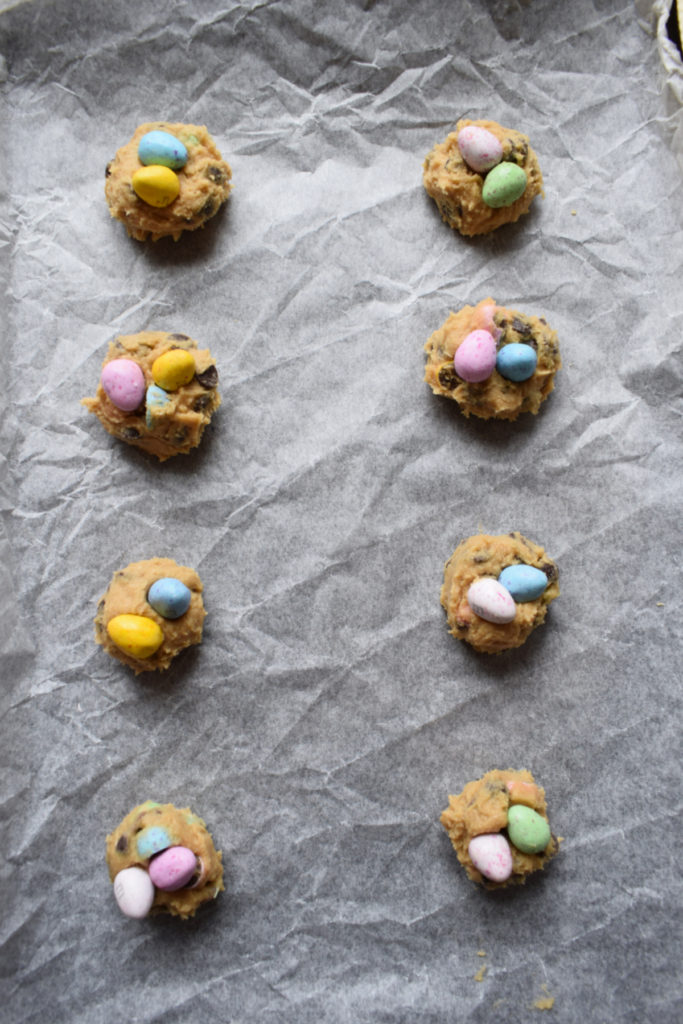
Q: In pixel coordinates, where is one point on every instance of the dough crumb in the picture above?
(479, 976)
(546, 1001)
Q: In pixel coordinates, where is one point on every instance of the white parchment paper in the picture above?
(322, 723)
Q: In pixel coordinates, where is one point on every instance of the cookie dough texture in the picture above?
(179, 428)
(204, 185)
(482, 808)
(127, 595)
(496, 397)
(486, 555)
(456, 188)
(184, 828)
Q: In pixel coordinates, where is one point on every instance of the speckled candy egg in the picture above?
(527, 829)
(503, 185)
(525, 582)
(491, 601)
(158, 147)
(169, 597)
(516, 361)
(475, 357)
(134, 892)
(491, 855)
(124, 383)
(479, 148)
(173, 869)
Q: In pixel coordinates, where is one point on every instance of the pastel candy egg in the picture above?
(173, 868)
(523, 792)
(503, 185)
(490, 853)
(136, 635)
(162, 148)
(173, 369)
(475, 357)
(524, 582)
(134, 892)
(516, 361)
(527, 830)
(156, 401)
(124, 383)
(152, 840)
(490, 600)
(480, 149)
(169, 597)
(156, 185)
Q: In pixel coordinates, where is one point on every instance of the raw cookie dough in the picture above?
(457, 189)
(181, 828)
(486, 556)
(204, 185)
(127, 595)
(179, 427)
(482, 809)
(496, 397)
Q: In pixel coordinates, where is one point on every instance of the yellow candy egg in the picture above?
(173, 369)
(135, 634)
(156, 185)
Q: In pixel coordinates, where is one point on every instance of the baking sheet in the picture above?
(322, 723)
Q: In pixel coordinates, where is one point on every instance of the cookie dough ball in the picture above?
(497, 589)
(162, 858)
(473, 201)
(150, 612)
(164, 401)
(499, 828)
(168, 179)
(493, 361)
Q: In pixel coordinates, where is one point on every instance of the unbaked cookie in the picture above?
(464, 195)
(150, 612)
(162, 858)
(157, 391)
(183, 178)
(499, 828)
(509, 372)
(497, 589)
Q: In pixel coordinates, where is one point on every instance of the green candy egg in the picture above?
(527, 830)
(503, 185)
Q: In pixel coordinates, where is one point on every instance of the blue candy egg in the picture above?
(156, 399)
(169, 597)
(516, 361)
(153, 840)
(524, 582)
(159, 147)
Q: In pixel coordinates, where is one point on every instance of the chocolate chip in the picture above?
(550, 569)
(122, 844)
(521, 326)
(179, 337)
(208, 378)
(107, 170)
(215, 174)
(180, 435)
(201, 402)
(480, 558)
(448, 378)
(130, 433)
(208, 209)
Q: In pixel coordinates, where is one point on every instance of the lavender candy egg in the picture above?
(479, 148)
(163, 149)
(169, 597)
(134, 892)
(491, 855)
(173, 869)
(475, 357)
(491, 601)
(525, 582)
(124, 383)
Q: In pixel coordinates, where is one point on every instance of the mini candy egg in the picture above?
(526, 793)
(156, 400)
(524, 582)
(156, 185)
(173, 369)
(475, 357)
(136, 635)
(490, 853)
(503, 185)
(491, 601)
(169, 597)
(134, 892)
(173, 868)
(152, 840)
(162, 148)
(124, 383)
(479, 148)
(528, 831)
(516, 361)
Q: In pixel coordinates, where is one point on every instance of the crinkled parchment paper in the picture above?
(327, 715)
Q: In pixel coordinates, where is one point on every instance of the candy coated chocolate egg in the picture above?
(173, 369)
(516, 361)
(491, 601)
(162, 148)
(528, 831)
(134, 892)
(152, 840)
(479, 148)
(490, 853)
(526, 793)
(156, 185)
(503, 185)
(525, 582)
(156, 401)
(475, 357)
(124, 383)
(173, 869)
(136, 635)
(169, 597)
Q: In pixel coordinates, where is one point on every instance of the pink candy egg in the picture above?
(479, 148)
(173, 868)
(475, 357)
(491, 601)
(124, 383)
(490, 853)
